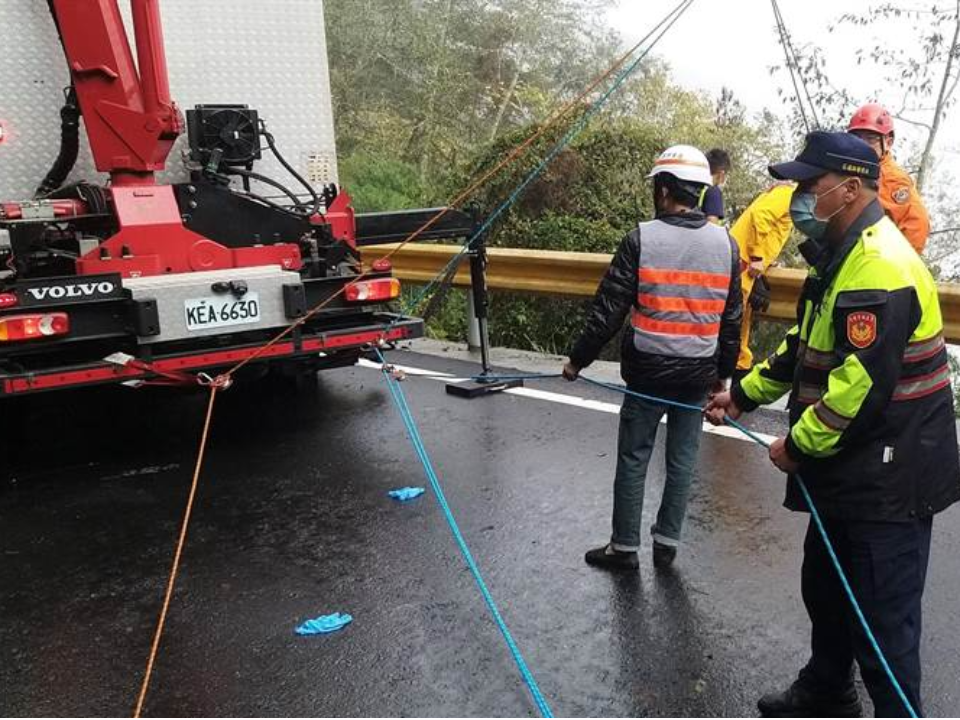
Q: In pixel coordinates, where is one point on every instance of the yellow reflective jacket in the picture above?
(871, 406)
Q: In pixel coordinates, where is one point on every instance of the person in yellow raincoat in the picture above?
(760, 232)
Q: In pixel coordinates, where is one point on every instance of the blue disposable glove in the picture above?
(324, 624)
(406, 494)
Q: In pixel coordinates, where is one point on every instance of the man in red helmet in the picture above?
(898, 195)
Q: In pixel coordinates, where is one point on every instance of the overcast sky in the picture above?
(733, 43)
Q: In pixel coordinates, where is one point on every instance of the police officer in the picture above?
(871, 429)
(678, 278)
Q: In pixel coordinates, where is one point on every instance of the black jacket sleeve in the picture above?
(728, 347)
(614, 298)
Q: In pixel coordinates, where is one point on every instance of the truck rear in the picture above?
(119, 266)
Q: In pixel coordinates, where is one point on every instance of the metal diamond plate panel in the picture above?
(271, 56)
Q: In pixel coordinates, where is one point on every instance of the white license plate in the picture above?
(214, 312)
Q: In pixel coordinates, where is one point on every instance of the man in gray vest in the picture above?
(678, 277)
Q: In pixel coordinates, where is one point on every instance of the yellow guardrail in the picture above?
(574, 274)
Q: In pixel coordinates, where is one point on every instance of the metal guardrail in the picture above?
(574, 274)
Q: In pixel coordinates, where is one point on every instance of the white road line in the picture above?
(442, 376)
(560, 398)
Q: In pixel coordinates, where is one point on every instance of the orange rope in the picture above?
(223, 380)
(176, 555)
(463, 195)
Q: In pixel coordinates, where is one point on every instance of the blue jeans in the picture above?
(639, 420)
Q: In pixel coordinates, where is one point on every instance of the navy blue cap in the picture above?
(826, 152)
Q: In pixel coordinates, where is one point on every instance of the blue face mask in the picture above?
(803, 212)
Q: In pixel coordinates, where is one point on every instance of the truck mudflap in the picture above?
(384, 327)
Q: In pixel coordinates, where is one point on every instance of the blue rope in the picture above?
(818, 521)
(853, 600)
(568, 137)
(492, 379)
(415, 438)
(425, 460)
(814, 513)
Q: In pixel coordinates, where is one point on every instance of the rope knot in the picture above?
(394, 372)
(220, 382)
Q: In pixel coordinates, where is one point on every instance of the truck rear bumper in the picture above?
(384, 326)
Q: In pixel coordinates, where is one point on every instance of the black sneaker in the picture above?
(663, 555)
(801, 700)
(609, 559)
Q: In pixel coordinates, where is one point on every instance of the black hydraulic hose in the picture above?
(269, 203)
(267, 181)
(69, 130)
(69, 145)
(300, 211)
(271, 143)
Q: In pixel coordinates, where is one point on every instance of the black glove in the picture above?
(760, 295)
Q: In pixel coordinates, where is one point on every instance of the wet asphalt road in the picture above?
(293, 520)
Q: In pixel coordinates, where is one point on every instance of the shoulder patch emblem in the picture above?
(861, 329)
(901, 195)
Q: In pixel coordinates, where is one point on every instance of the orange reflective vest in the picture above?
(683, 282)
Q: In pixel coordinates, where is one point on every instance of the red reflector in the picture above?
(382, 265)
(8, 300)
(373, 290)
(29, 327)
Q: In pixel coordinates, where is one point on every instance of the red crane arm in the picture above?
(130, 119)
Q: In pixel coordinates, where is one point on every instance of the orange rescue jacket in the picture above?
(903, 203)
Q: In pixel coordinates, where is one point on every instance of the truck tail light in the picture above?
(29, 327)
(378, 290)
(8, 300)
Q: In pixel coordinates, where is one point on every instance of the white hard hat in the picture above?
(684, 162)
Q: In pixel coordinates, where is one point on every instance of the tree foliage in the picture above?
(919, 75)
(426, 81)
(428, 94)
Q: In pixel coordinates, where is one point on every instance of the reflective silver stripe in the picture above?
(680, 317)
(683, 251)
(808, 394)
(923, 349)
(819, 359)
(918, 387)
(694, 292)
(831, 418)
